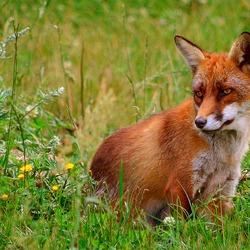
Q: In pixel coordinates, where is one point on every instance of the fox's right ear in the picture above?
(240, 52)
(192, 54)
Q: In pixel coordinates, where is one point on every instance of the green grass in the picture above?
(117, 63)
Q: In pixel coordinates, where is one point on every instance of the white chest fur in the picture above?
(218, 168)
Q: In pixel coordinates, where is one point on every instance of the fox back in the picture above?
(190, 153)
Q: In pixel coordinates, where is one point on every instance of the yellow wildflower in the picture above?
(26, 168)
(5, 196)
(55, 188)
(21, 176)
(69, 166)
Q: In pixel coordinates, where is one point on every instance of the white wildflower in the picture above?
(169, 220)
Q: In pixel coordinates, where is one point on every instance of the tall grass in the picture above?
(117, 63)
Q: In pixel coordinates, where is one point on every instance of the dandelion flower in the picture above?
(69, 166)
(26, 168)
(55, 188)
(21, 176)
(5, 196)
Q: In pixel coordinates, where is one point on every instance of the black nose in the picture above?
(200, 122)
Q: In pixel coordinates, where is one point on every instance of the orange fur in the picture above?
(188, 153)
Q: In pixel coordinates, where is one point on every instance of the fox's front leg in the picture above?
(217, 207)
(219, 197)
(229, 190)
(179, 197)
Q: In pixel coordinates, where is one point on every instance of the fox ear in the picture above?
(240, 52)
(192, 54)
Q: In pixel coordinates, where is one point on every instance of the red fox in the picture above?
(189, 154)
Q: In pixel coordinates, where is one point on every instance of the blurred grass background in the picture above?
(118, 64)
(116, 59)
(113, 55)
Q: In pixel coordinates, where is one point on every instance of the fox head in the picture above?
(221, 84)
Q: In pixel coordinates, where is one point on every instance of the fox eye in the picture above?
(226, 91)
(199, 94)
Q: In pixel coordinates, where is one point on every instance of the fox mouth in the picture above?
(208, 131)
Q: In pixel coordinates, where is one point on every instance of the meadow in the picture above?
(71, 73)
